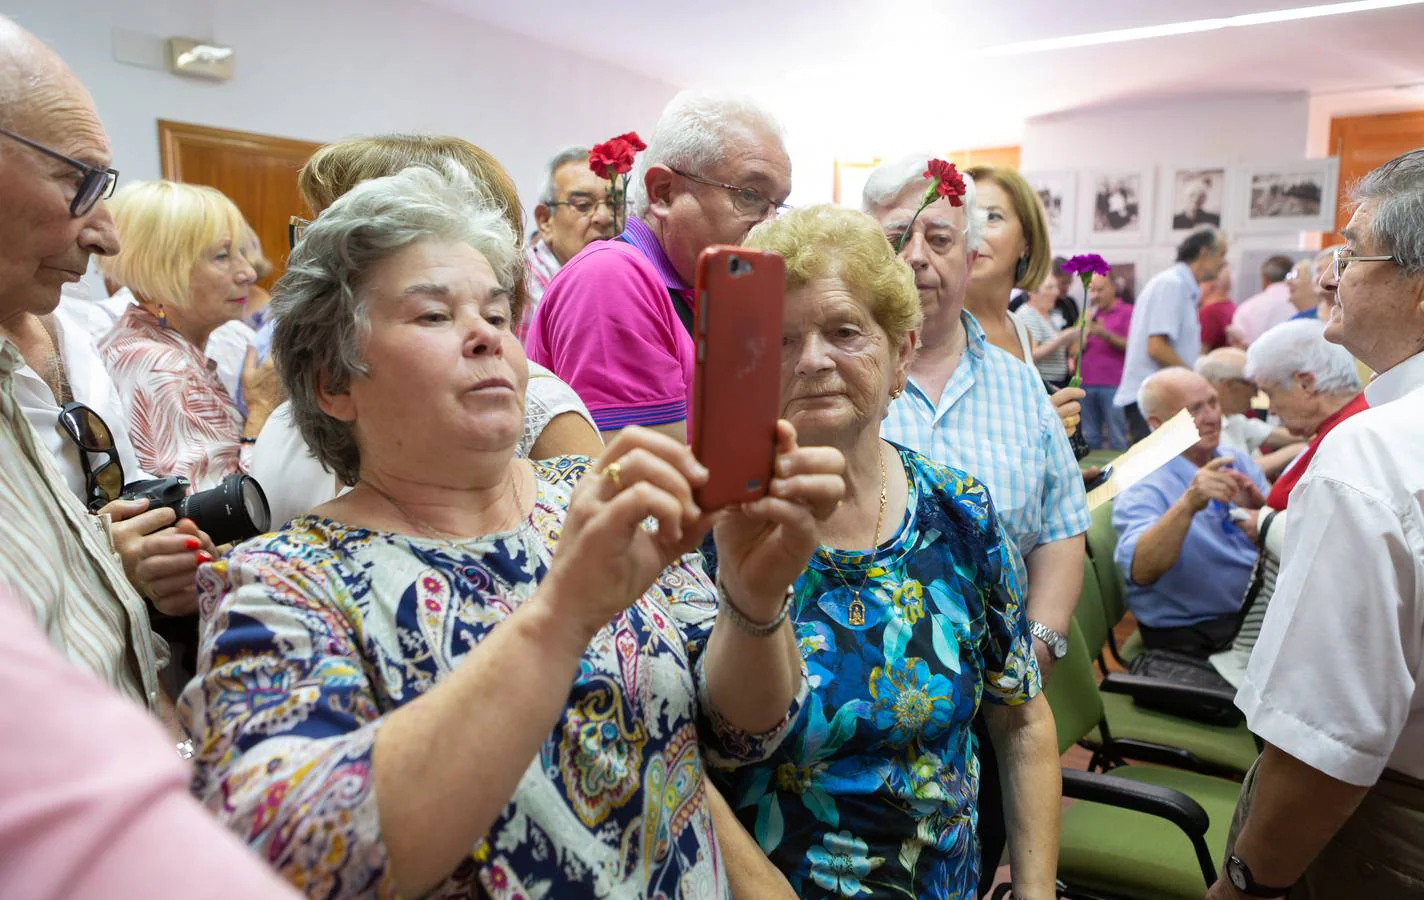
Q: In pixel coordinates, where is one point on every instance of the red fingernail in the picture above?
(192, 543)
(204, 557)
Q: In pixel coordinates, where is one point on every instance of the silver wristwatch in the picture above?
(1056, 643)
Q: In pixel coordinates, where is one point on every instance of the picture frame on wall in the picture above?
(1058, 192)
(850, 177)
(1115, 208)
(1192, 196)
(1287, 197)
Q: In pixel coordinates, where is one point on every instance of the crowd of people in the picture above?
(492, 646)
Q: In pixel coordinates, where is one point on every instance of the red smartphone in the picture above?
(736, 388)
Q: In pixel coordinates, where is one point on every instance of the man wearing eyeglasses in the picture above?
(54, 174)
(1335, 805)
(574, 210)
(616, 320)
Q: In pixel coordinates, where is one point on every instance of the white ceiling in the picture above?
(881, 64)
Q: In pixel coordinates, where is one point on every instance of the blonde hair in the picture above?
(336, 168)
(828, 241)
(165, 228)
(252, 249)
(1032, 222)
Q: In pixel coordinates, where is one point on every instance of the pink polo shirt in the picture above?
(94, 800)
(608, 327)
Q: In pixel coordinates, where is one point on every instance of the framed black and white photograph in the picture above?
(1192, 196)
(1116, 208)
(1297, 196)
(1057, 191)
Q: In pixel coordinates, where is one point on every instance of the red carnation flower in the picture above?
(948, 183)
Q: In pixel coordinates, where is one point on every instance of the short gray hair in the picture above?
(1397, 187)
(320, 303)
(1299, 347)
(892, 179)
(1151, 399)
(692, 134)
(1222, 364)
(561, 159)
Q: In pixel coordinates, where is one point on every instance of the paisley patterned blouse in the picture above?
(874, 792)
(316, 632)
(181, 418)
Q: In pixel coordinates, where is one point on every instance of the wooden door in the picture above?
(985, 156)
(258, 172)
(1367, 142)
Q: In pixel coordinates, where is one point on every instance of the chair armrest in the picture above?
(1214, 705)
(1164, 803)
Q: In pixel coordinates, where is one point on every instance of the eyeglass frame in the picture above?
(94, 495)
(1336, 269)
(609, 202)
(737, 190)
(296, 225)
(92, 174)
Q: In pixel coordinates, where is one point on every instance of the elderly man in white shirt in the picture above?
(1335, 805)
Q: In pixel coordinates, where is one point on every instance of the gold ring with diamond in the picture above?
(614, 473)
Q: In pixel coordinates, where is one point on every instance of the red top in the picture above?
(1214, 318)
(1280, 492)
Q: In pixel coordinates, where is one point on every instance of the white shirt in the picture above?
(1333, 679)
(1167, 307)
(91, 385)
(295, 482)
(1244, 433)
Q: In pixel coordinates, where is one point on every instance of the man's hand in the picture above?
(1213, 481)
(160, 558)
(1249, 522)
(1224, 890)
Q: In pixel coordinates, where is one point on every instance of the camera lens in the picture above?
(233, 511)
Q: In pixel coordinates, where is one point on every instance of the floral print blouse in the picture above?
(316, 632)
(181, 418)
(874, 792)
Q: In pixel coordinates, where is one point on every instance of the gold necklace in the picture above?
(856, 613)
(430, 531)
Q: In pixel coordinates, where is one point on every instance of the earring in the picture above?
(1021, 269)
(895, 394)
(162, 316)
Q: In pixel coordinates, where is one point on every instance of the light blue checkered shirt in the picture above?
(995, 422)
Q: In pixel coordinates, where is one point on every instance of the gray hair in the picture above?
(1222, 364)
(692, 134)
(561, 159)
(1152, 394)
(1398, 223)
(320, 303)
(1299, 347)
(892, 179)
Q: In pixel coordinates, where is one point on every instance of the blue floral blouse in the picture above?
(874, 791)
(316, 632)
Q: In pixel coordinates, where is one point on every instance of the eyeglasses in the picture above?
(104, 482)
(1340, 259)
(96, 185)
(583, 205)
(296, 227)
(747, 202)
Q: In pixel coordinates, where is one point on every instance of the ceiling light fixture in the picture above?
(1123, 35)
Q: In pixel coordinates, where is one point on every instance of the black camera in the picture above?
(233, 511)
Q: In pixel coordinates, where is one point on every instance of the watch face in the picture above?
(1238, 877)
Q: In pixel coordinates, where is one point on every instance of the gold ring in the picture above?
(614, 473)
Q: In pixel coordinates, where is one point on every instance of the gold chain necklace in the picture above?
(856, 614)
(430, 531)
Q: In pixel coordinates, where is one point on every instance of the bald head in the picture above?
(43, 246)
(1169, 391)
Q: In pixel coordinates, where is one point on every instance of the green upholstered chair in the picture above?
(1135, 832)
(1102, 541)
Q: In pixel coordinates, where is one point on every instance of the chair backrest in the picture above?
(1090, 614)
(1102, 541)
(1072, 693)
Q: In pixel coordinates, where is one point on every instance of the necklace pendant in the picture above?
(857, 611)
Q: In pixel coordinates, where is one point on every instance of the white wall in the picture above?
(325, 69)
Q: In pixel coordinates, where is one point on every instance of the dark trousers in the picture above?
(1136, 425)
(1200, 639)
(993, 834)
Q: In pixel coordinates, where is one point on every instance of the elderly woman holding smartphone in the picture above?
(473, 675)
(909, 615)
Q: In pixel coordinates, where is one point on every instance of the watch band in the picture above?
(1057, 644)
(1239, 874)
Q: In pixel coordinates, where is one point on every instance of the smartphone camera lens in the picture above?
(738, 267)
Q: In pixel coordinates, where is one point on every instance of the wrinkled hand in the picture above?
(261, 388)
(606, 559)
(1065, 403)
(1249, 496)
(1224, 890)
(1213, 481)
(160, 561)
(764, 546)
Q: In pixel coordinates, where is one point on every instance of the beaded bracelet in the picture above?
(739, 619)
